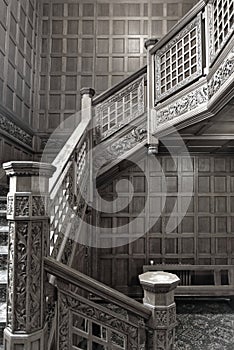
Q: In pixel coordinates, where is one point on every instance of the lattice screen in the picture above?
(223, 21)
(179, 61)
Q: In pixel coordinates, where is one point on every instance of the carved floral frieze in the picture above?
(20, 281)
(183, 105)
(38, 205)
(35, 298)
(10, 205)
(14, 130)
(22, 206)
(117, 148)
(221, 75)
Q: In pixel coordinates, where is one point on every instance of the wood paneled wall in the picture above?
(204, 236)
(95, 43)
(18, 50)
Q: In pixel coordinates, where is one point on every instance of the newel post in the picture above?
(28, 219)
(86, 103)
(159, 290)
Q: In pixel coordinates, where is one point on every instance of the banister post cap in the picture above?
(28, 168)
(87, 91)
(150, 42)
(159, 281)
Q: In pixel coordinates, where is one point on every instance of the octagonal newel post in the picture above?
(159, 287)
(28, 218)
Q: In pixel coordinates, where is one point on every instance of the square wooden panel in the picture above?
(172, 184)
(171, 204)
(204, 245)
(155, 224)
(187, 184)
(155, 184)
(187, 246)
(204, 224)
(204, 204)
(221, 245)
(221, 224)
(138, 246)
(121, 279)
(204, 164)
(187, 224)
(171, 245)
(123, 204)
(155, 205)
(187, 204)
(220, 204)
(220, 183)
(204, 184)
(155, 246)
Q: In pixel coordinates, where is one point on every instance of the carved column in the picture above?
(28, 219)
(159, 297)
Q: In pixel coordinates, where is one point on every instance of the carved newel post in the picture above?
(159, 289)
(28, 219)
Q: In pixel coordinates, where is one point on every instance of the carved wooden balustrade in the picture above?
(120, 119)
(192, 67)
(93, 316)
(69, 188)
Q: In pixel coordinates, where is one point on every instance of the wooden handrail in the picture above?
(106, 94)
(64, 155)
(89, 284)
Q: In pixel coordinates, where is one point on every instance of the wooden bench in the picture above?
(200, 280)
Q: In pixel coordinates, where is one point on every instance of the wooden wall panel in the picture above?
(18, 52)
(97, 44)
(205, 234)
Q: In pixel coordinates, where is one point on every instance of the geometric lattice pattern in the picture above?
(87, 334)
(119, 109)
(223, 21)
(179, 61)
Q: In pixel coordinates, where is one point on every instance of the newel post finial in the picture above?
(28, 218)
(86, 102)
(159, 287)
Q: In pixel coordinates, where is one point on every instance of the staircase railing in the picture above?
(192, 67)
(92, 315)
(118, 106)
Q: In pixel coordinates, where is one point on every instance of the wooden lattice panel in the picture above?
(180, 61)
(88, 334)
(223, 21)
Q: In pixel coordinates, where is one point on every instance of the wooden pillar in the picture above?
(27, 204)
(159, 289)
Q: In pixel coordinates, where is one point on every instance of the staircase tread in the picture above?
(3, 307)
(4, 228)
(3, 277)
(3, 249)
